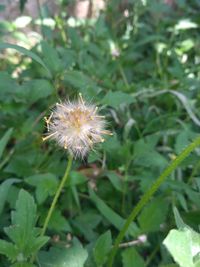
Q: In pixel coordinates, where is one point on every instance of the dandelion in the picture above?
(76, 126)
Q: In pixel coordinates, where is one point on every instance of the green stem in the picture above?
(150, 192)
(53, 204)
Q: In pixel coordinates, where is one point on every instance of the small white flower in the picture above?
(76, 126)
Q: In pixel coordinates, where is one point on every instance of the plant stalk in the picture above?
(53, 204)
(149, 193)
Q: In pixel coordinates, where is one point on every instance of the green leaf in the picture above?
(114, 218)
(38, 242)
(68, 57)
(26, 53)
(23, 219)
(76, 178)
(81, 82)
(8, 249)
(46, 185)
(4, 140)
(4, 189)
(36, 89)
(183, 245)
(131, 258)
(76, 196)
(102, 247)
(58, 222)
(153, 215)
(22, 231)
(25, 214)
(8, 87)
(85, 223)
(182, 140)
(115, 179)
(114, 99)
(74, 256)
(51, 58)
(147, 156)
(179, 221)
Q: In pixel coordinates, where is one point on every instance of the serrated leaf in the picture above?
(25, 214)
(22, 231)
(23, 220)
(74, 256)
(131, 258)
(8, 249)
(4, 140)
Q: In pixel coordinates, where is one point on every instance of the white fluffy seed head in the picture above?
(76, 126)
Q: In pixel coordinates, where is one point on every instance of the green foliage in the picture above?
(131, 258)
(26, 52)
(184, 244)
(74, 256)
(4, 140)
(46, 184)
(4, 190)
(139, 62)
(114, 99)
(22, 232)
(102, 248)
(114, 218)
(153, 215)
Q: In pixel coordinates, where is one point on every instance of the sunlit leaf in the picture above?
(26, 52)
(74, 256)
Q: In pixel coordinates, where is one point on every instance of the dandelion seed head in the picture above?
(76, 126)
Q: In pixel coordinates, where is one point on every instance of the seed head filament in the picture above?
(76, 126)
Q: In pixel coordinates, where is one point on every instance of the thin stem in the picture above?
(53, 204)
(150, 192)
